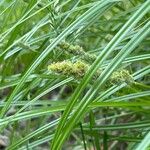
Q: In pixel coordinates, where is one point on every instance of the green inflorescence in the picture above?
(77, 50)
(120, 76)
(68, 68)
(79, 68)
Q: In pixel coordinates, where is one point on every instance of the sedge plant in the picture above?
(74, 74)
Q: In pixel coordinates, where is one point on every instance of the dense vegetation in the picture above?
(74, 74)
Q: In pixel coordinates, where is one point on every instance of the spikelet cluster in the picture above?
(77, 69)
(77, 50)
(121, 76)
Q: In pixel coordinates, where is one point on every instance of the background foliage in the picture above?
(42, 108)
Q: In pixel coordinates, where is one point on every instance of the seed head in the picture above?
(77, 50)
(121, 76)
(68, 68)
